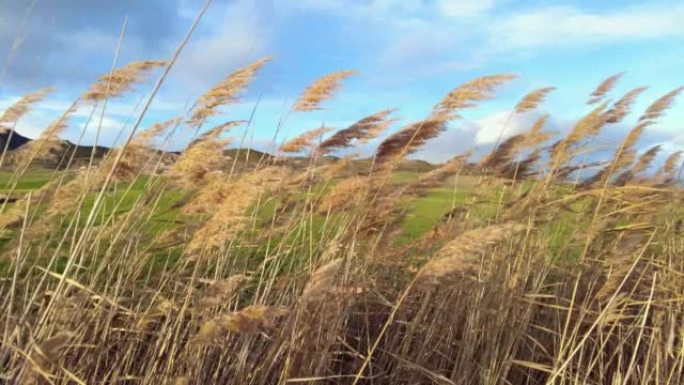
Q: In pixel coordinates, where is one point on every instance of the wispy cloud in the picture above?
(232, 35)
(566, 25)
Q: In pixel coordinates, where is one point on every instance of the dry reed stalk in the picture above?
(618, 263)
(669, 169)
(502, 156)
(409, 139)
(338, 167)
(303, 141)
(136, 155)
(48, 144)
(523, 168)
(23, 106)
(202, 157)
(344, 194)
(503, 153)
(532, 100)
(66, 196)
(320, 90)
(321, 282)
(216, 189)
(466, 95)
(253, 319)
(434, 178)
(622, 107)
(221, 291)
(225, 92)
(624, 156)
(604, 88)
(586, 127)
(51, 349)
(216, 132)
(385, 212)
(197, 163)
(646, 159)
(230, 216)
(145, 137)
(151, 319)
(658, 108)
(460, 255)
(14, 215)
(364, 130)
(121, 80)
(535, 135)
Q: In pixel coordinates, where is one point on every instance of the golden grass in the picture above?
(292, 270)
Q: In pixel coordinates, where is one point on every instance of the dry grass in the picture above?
(217, 272)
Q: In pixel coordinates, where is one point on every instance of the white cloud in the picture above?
(393, 11)
(499, 126)
(461, 8)
(234, 35)
(565, 25)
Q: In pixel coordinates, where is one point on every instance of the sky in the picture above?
(408, 55)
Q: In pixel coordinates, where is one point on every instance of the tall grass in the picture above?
(288, 271)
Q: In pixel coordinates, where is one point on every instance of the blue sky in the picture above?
(408, 54)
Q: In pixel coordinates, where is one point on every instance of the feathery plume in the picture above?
(657, 108)
(220, 292)
(626, 154)
(503, 153)
(510, 148)
(136, 155)
(226, 91)
(344, 194)
(523, 168)
(646, 159)
(121, 80)
(532, 100)
(535, 135)
(457, 255)
(364, 130)
(321, 281)
(47, 145)
(23, 106)
(668, 171)
(216, 190)
(146, 136)
(230, 216)
(194, 166)
(436, 177)
(321, 90)
(215, 132)
(303, 141)
(604, 88)
(623, 106)
(253, 319)
(201, 157)
(52, 348)
(466, 95)
(588, 126)
(409, 139)
(59, 125)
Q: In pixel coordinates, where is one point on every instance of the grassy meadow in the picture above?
(528, 265)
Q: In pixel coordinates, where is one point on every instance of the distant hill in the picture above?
(16, 140)
(244, 158)
(64, 150)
